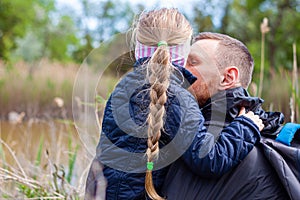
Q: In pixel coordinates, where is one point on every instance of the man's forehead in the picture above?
(204, 46)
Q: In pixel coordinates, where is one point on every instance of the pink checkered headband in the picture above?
(178, 53)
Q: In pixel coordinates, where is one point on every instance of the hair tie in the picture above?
(162, 43)
(150, 166)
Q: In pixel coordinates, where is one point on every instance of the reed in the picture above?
(39, 152)
(72, 158)
(295, 101)
(264, 28)
(34, 94)
(43, 177)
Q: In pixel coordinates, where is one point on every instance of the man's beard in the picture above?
(202, 93)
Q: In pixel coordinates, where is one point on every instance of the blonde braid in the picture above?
(159, 68)
(170, 26)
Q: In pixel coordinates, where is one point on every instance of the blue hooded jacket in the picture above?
(123, 141)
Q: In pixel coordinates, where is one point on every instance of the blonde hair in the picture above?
(171, 26)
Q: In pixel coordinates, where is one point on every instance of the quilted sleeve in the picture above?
(208, 158)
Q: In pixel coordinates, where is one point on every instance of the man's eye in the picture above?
(193, 62)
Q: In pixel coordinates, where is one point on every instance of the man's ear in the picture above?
(230, 78)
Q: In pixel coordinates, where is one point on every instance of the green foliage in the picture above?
(100, 100)
(36, 28)
(112, 17)
(2, 155)
(39, 152)
(72, 157)
(30, 30)
(56, 189)
(15, 16)
(29, 48)
(61, 38)
(33, 192)
(244, 23)
(202, 21)
(50, 84)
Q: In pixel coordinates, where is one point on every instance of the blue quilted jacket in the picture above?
(123, 141)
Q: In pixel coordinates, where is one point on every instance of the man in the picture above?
(224, 67)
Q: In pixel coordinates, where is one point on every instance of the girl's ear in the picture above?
(230, 78)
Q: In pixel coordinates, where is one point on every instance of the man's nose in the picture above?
(187, 64)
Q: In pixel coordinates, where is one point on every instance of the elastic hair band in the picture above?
(150, 166)
(161, 43)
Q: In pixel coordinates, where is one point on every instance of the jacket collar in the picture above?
(225, 105)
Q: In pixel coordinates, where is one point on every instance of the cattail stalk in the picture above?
(294, 109)
(263, 29)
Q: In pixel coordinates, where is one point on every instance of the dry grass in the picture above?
(42, 158)
(35, 161)
(33, 92)
(277, 92)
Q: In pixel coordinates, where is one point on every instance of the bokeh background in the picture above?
(43, 44)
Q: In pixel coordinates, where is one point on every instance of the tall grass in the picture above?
(39, 174)
(280, 91)
(43, 158)
(263, 29)
(72, 157)
(34, 93)
(295, 101)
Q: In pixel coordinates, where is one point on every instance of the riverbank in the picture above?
(33, 89)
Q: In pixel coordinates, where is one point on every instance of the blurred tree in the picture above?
(114, 17)
(241, 19)
(86, 45)
(62, 39)
(46, 35)
(31, 30)
(209, 15)
(203, 22)
(15, 16)
(52, 41)
(245, 17)
(99, 25)
(29, 48)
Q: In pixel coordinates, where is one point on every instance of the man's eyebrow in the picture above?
(193, 55)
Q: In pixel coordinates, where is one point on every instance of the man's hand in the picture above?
(253, 117)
